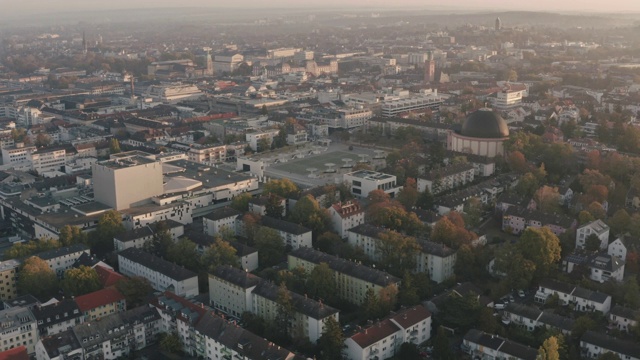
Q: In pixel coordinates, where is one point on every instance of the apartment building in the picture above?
(362, 182)
(253, 138)
(397, 105)
(162, 275)
(220, 219)
(207, 154)
(48, 159)
(437, 260)
(8, 279)
(482, 345)
(230, 290)
(57, 317)
(352, 279)
(62, 259)
(383, 339)
(346, 215)
(624, 318)
(579, 298)
(593, 344)
(19, 153)
(597, 228)
(600, 266)
(138, 237)
(447, 178)
(516, 219)
(19, 328)
(294, 236)
(101, 303)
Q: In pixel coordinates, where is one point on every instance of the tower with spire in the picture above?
(498, 24)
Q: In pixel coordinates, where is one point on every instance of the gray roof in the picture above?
(606, 262)
(223, 213)
(436, 249)
(343, 266)
(447, 171)
(625, 312)
(285, 226)
(557, 286)
(55, 253)
(590, 295)
(503, 345)
(367, 230)
(628, 348)
(523, 310)
(543, 217)
(556, 321)
(61, 343)
(236, 276)
(155, 263)
(61, 311)
(301, 304)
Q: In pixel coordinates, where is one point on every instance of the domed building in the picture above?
(483, 133)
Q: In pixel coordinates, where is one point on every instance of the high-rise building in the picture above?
(498, 24)
(429, 69)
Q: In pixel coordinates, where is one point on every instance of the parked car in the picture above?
(521, 293)
(499, 306)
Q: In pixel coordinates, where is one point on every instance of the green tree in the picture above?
(42, 140)
(541, 247)
(370, 305)
(592, 243)
(161, 241)
(184, 253)
(80, 281)
(282, 187)
(331, 343)
(527, 185)
(321, 283)
(135, 290)
(408, 294)
(241, 202)
(264, 110)
(329, 242)
(170, 343)
(274, 207)
(22, 250)
(549, 350)
(582, 324)
(70, 235)
(441, 347)
(608, 356)
(114, 146)
(397, 253)
(109, 226)
(220, 253)
(585, 217)
(631, 292)
(409, 351)
(519, 271)
(270, 246)
(408, 196)
(619, 222)
(36, 278)
(284, 313)
(425, 200)
(263, 145)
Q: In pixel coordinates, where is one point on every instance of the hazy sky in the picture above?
(22, 6)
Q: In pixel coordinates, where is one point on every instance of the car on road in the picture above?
(521, 293)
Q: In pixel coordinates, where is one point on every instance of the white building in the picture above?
(18, 329)
(220, 219)
(623, 318)
(383, 339)
(582, 299)
(254, 138)
(231, 290)
(447, 178)
(618, 248)
(49, 159)
(531, 318)
(596, 227)
(437, 260)
(345, 216)
(294, 236)
(593, 344)
(405, 102)
(62, 259)
(139, 236)
(488, 346)
(19, 153)
(604, 267)
(362, 182)
(57, 317)
(172, 93)
(162, 275)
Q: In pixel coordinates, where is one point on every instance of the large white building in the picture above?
(383, 339)
(19, 153)
(293, 235)
(362, 182)
(447, 178)
(173, 93)
(162, 275)
(62, 259)
(127, 180)
(405, 103)
(345, 216)
(254, 138)
(597, 228)
(580, 298)
(488, 346)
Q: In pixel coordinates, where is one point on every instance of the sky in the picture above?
(39, 6)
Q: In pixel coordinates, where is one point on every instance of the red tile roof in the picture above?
(108, 277)
(348, 208)
(98, 298)
(17, 353)
(375, 333)
(411, 316)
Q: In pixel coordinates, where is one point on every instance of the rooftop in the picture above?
(370, 175)
(155, 263)
(98, 298)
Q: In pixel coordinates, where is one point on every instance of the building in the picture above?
(101, 303)
(162, 275)
(623, 318)
(593, 344)
(294, 236)
(580, 298)
(307, 319)
(172, 93)
(437, 260)
(447, 178)
(483, 133)
(231, 290)
(257, 138)
(481, 345)
(17, 154)
(127, 180)
(597, 228)
(516, 219)
(220, 219)
(352, 279)
(62, 259)
(18, 329)
(8, 279)
(405, 103)
(345, 216)
(383, 339)
(207, 154)
(530, 318)
(62, 346)
(362, 182)
(57, 317)
(139, 236)
(227, 63)
(600, 266)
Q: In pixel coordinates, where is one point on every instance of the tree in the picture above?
(473, 211)
(80, 281)
(596, 210)
(184, 253)
(541, 247)
(549, 350)
(592, 243)
(308, 213)
(582, 324)
(547, 199)
(109, 226)
(135, 290)
(619, 222)
(36, 278)
(517, 162)
(631, 292)
(609, 356)
(270, 246)
(284, 313)
(519, 270)
(409, 351)
(425, 200)
(170, 343)
(22, 250)
(114, 146)
(409, 194)
(329, 242)
(274, 207)
(70, 235)
(585, 217)
(331, 343)
(441, 347)
(42, 140)
(263, 144)
(527, 185)
(408, 294)
(321, 283)
(282, 187)
(241, 202)
(370, 306)
(264, 110)
(396, 252)
(161, 241)
(218, 254)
